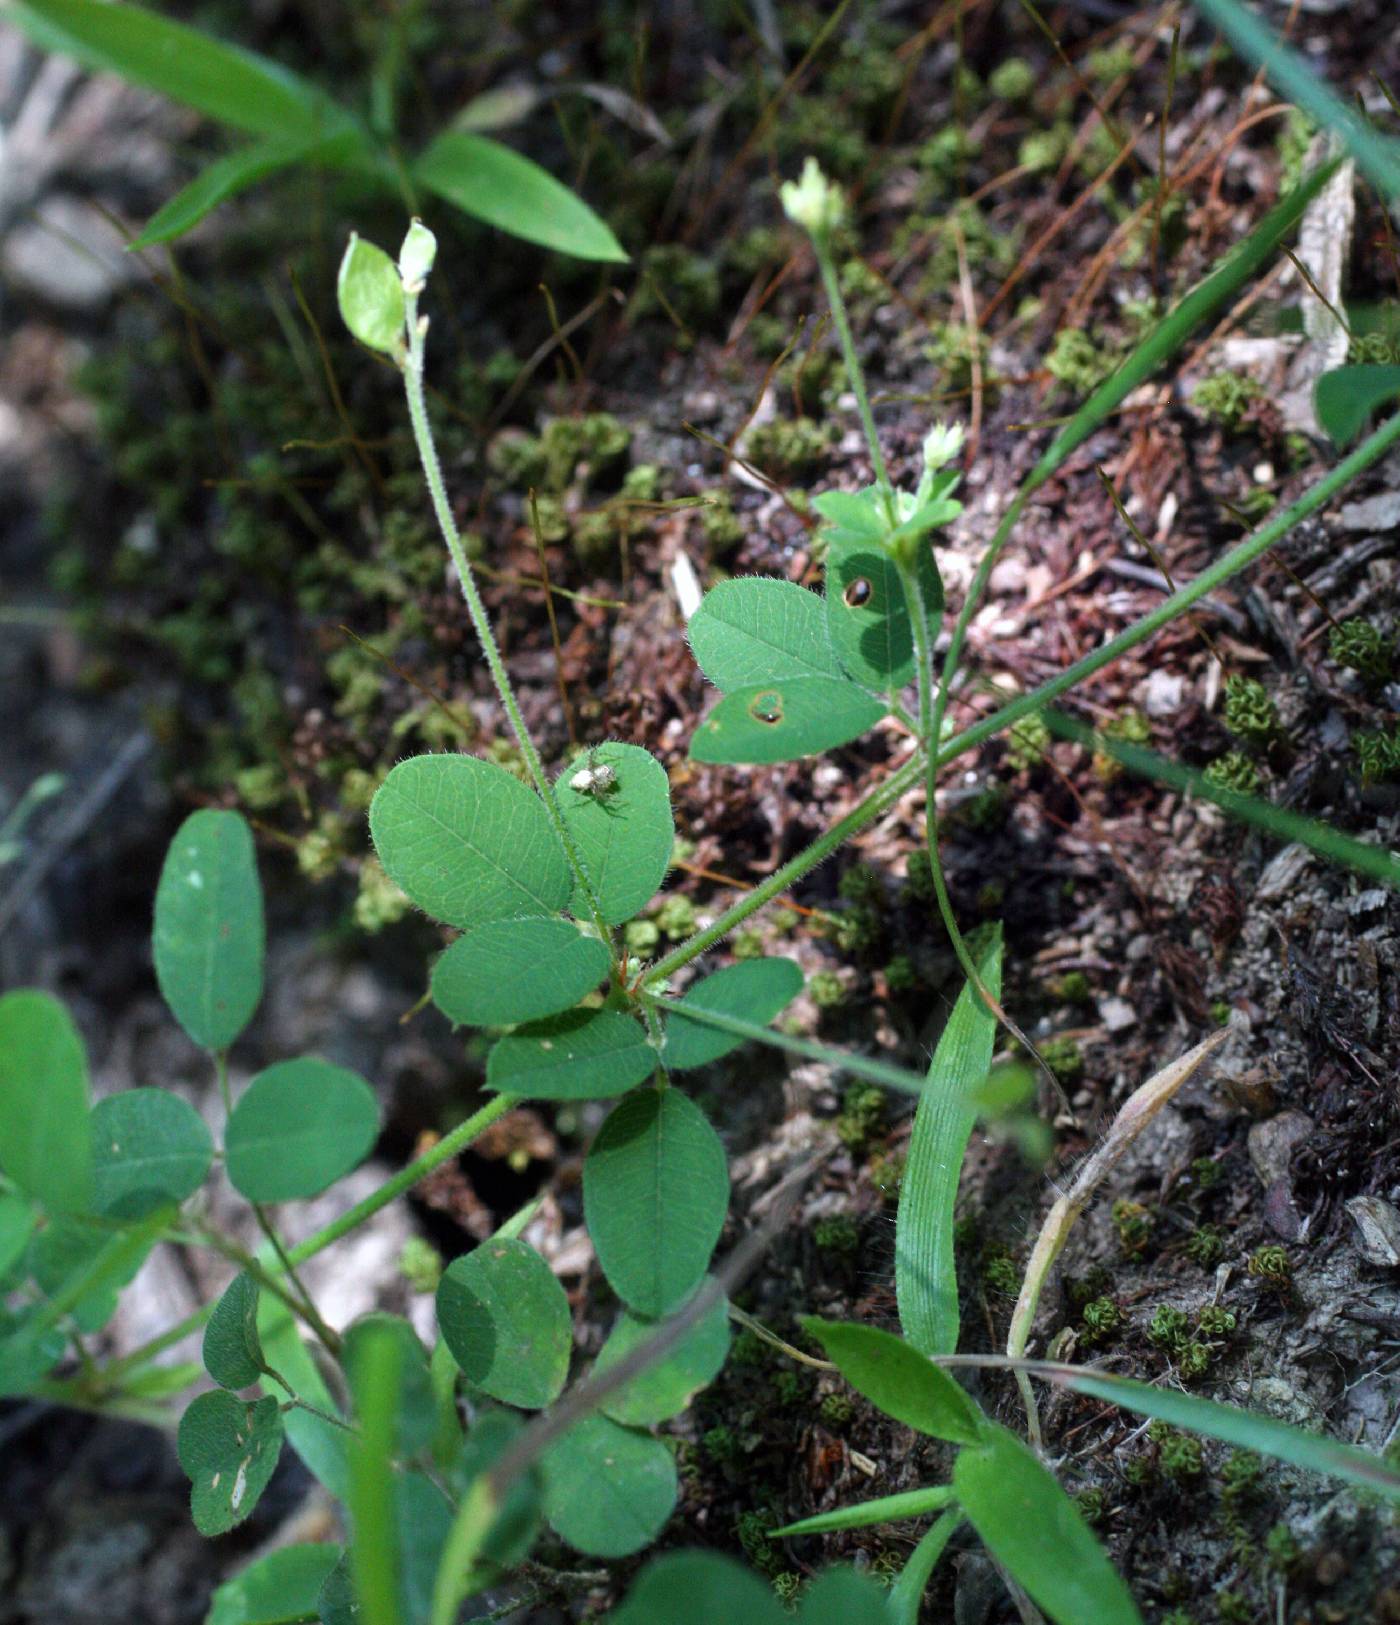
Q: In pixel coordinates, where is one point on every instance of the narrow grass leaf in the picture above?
(506, 1321)
(582, 1055)
(208, 937)
(755, 989)
(225, 82)
(925, 1269)
(375, 1549)
(1376, 155)
(517, 1523)
(415, 1416)
(149, 1147)
(780, 722)
(900, 1381)
(423, 1517)
(297, 1128)
(655, 1193)
(229, 1450)
(495, 184)
(517, 970)
(232, 1352)
(608, 1490)
(760, 630)
(1031, 1526)
(45, 1146)
(82, 1266)
(1277, 821)
(318, 1441)
(884, 1509)
(275, 1590)
(623, 832)
(467, 841)
(907, 1593)
(666, 1387)
(698, 1588)
(1249, 1430)
(1346, 397)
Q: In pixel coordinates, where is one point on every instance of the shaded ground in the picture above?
(178, 576)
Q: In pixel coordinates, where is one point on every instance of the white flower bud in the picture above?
(813, 202)
(416, 256)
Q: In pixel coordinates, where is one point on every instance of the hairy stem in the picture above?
(821, 245)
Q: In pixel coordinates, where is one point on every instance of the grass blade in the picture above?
(884, 1509)
(1376, 155)
(925, 1272)
(907, 1593)
(374, 1552)
(1321, 838)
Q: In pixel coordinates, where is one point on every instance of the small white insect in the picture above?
(597, 779)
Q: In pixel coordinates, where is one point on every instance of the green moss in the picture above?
(1076, 361)
(1027, 743)
(1225, 399)
(1234, 771)
(594, 538)
(1064, 1057)
(1214, 1321)
(1234, 1608)
(836, 1409)
(1272, 1264)
(827, 989)
(1109, 62)
(1093, 1505)
(641, 936)
(676, 918)
(887, 1173)
(722, 527)
(942, 159)
(858, 930)
(760, 249)
(420, 1264)
(1000, 1271)
(1012, 80)
(1283, 1552)
(378, 902)
(837, 1234)
(991, 894)
(900, 975)
(1134, 1224)
(517, 459)
(951, 347)
(1102, 1318)
(1250, 713)
(1378, 753)
(862, 1114)
(1044, 150)
(1294, 140)
(1362, 647)
(675, 281)
(748, 944)
(642, 483)
(860, 884)
(1169, 1328)
(1205, 1246)
(1071, 988)
(919, 875)
(788, 448)
(582, 447)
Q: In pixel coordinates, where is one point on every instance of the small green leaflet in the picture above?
(517, 1524)
(1032, 1527)
(623, 832)
(779, 722)
(760, 630)
(232, 1351)
(229, 1452)
(16, 1225)
(506, 1320)
(85, 1265)
(899, 1380)
(583, 1055)
(149, 1147)
(272, 1590)
(468, 842)
(1346, 397)
(370, 293)
(668, 1385)
(703, 1588)
(608, 1490)
(754, 989)
(45, 1146)
(208, 937)
(655, 1193)
(495, 184)
(298, 1126)
(853, 515)
(925, 1270)
(517, 970)
(868, 617)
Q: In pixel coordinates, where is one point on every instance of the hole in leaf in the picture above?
(858, 593)
(767, 707)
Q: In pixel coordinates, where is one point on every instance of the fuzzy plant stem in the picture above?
(412, 368)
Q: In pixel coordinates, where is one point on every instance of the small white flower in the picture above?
(813, 202)
(942, 444)
(416, 256)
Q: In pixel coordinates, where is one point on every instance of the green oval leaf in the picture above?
(668, 1385)
(16, 1226)
(506, 1320)
(761, 630)
(899, 1380)
(516, 970)
(753, 989)
(232, 1351)
(697, 1588)
(276, 1589)
(297, 1128)
(1346, 397)
(415, 1410)
(1033, 1528)
(655, 1192)
(843, 1597)
(87, 1265)
(229, 1452)
(608, 1491)
(370, 293)
(493, 183)
(513, 1533)
(583, 1055)
(45, 1146)
(622, 830)
(232, 85)
(208, 937)
(149, 1147)
(468, 842)
(867, 616)
(779, 722)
